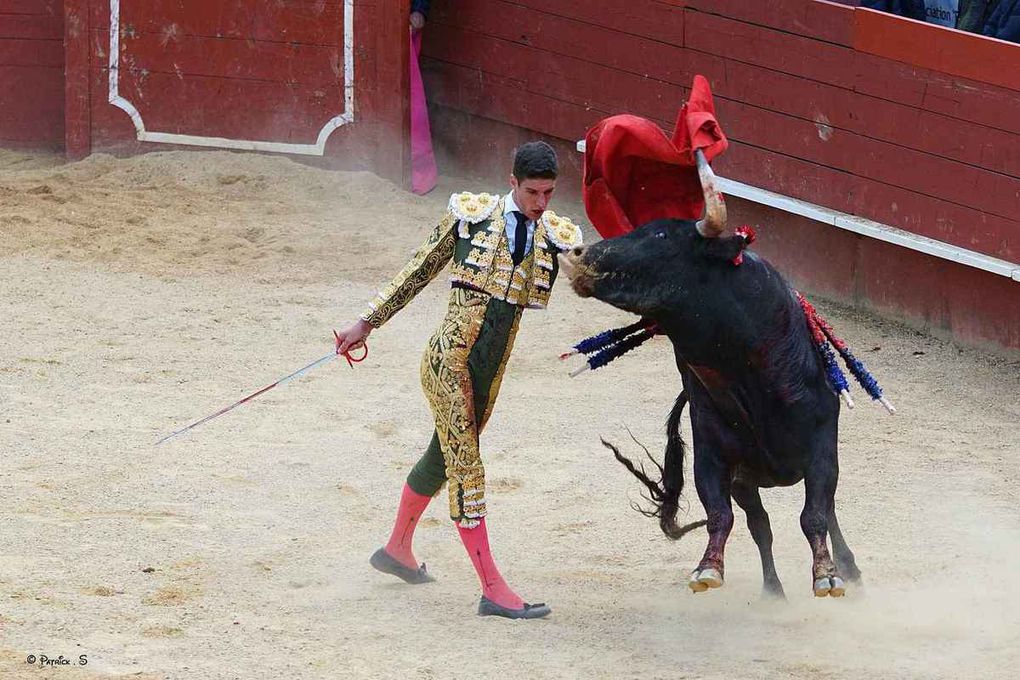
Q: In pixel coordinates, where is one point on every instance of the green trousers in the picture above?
(462, 370)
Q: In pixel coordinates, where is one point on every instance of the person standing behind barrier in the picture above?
(419, 14)
(912, 9)
(1004, 22)
(423, 160)
(963, 15)
(974, 14)
(504, 251)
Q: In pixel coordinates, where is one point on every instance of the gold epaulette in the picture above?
(472, 208)
(563, 233)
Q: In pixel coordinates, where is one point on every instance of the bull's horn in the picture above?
(714, 221)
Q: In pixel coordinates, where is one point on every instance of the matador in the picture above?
(503, 250)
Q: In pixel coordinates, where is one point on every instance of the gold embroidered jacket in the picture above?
(473, 235)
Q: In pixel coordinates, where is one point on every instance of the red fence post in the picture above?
(77, 116)
(393, 45)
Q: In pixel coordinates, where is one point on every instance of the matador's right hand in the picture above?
(352, 336)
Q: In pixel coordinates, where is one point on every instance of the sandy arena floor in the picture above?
(139, 295)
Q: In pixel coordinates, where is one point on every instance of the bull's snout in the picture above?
(580, 275)
(570, 260)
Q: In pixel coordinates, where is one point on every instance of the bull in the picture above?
(762, 410)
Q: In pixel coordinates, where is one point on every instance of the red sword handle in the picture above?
(351, 359)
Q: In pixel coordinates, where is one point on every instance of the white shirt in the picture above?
(509, 206)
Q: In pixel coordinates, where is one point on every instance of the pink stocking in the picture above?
(412, 505)
(476, 541)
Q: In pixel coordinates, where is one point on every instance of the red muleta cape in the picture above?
(634, 174)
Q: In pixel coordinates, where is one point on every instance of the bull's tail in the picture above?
(664, 494)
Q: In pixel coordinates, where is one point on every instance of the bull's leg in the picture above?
(845, 562)
(712, 479)
(820, 489)
(747, 496)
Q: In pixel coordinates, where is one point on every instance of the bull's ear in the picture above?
(730, 248)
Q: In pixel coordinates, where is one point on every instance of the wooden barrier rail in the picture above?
(824, 122)
(31, 74)
(864, 227)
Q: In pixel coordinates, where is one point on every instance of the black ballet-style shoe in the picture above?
(385, 563)
(487, 607)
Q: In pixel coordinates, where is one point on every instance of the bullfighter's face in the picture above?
(532, 196)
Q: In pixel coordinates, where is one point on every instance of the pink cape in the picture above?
(423, 161)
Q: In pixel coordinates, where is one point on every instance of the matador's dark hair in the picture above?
(535, 160)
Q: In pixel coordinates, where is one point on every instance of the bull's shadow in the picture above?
(763, 411)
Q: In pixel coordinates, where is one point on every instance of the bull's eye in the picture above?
(660, 234)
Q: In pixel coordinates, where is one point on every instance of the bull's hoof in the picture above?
(773, 591)
(703, 579)
(831, 586)
(849, 571)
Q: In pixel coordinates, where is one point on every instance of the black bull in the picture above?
(762, 411)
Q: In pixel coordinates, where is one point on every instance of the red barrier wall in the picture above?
(905, 123)
(273, 76)
(212, 73)
(31, 74)
(815, 107)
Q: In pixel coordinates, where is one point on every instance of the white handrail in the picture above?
(865, 227)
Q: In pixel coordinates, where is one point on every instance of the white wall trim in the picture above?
(316, 149)
(866, 227)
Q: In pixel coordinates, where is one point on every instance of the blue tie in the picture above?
(520, 237)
